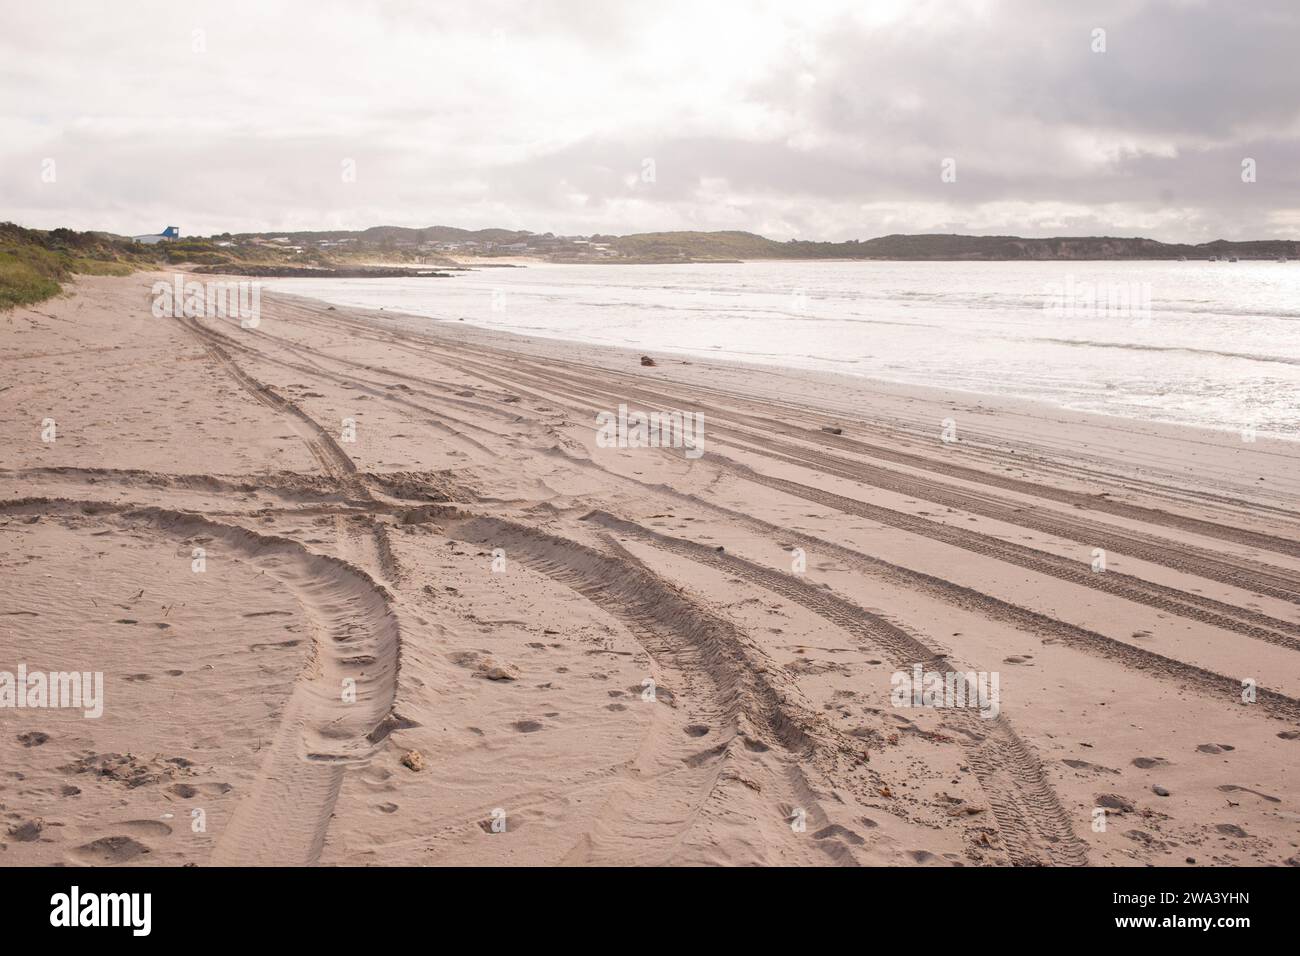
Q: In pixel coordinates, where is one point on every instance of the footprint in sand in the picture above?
(33, 738)
(1113, 801)
(1084, 765)
(109, 850)
(1141, 836)
(840, 833)
(696, 730)
(145, 828)
(26, 832)
(526, 726)
(187, 790)
(1146, 763)
(1215, 748)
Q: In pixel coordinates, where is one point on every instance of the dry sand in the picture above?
(436, 644)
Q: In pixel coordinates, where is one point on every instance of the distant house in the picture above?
(171, 232)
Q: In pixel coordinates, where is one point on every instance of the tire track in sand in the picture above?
(1201, 609)
(1035, 828)
(355, 635)
(1251, 576)
(291, 778)
(1050, 630)
(629, 387)
(1261, 579)
(709, 666)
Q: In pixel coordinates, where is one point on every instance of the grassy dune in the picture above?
(34, 263)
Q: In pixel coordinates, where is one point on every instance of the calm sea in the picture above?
(1212, 344)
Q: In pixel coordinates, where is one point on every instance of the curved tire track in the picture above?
(1034, 826)
(285, 817)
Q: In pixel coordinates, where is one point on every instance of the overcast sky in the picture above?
(799, 119)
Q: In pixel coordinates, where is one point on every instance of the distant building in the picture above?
(171, 232)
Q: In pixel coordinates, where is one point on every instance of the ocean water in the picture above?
(1210, 344)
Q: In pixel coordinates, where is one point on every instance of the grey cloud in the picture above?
(539, 116)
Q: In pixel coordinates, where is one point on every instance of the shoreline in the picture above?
(936, 395)
(621, 655)
(1187, 398)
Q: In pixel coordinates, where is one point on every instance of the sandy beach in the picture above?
(369, 589)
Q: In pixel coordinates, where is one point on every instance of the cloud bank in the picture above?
(812, 120)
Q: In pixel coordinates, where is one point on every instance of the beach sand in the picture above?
(472, 635)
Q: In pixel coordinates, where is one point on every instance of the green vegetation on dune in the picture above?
(34, 263)
(97, 267)
(27, 276)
